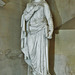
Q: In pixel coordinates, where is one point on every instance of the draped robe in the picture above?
(34, 41)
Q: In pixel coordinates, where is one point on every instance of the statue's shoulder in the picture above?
(45, 3)
(29, 4)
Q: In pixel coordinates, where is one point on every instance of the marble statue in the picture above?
(36, 29)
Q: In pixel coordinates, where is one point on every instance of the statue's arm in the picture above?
(28, 12)
(49, 20)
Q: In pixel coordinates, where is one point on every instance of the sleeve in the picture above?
(49, 20)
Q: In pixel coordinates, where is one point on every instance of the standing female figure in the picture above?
(36, 29)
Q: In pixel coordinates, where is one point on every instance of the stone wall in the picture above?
(11, 58)
(65, 45)
(10, 18)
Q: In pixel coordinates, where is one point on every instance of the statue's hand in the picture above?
(49, 32)
(49, 35)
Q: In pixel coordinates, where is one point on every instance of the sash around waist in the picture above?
(36, 28)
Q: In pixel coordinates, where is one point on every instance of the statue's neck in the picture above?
(37, 1)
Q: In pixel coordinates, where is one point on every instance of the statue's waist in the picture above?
(36, 28)
(38, 22)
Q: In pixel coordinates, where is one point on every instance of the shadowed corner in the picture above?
(52, 54)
